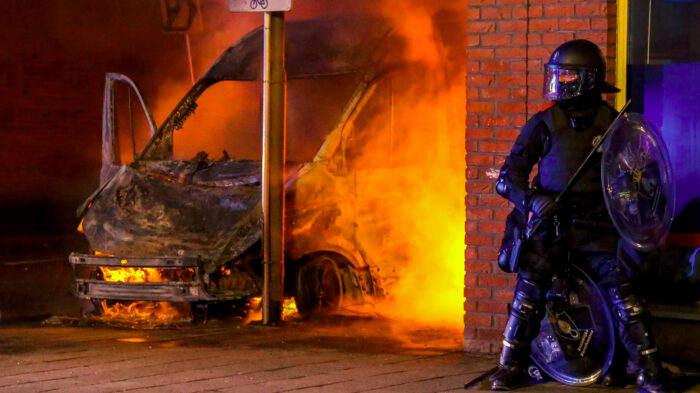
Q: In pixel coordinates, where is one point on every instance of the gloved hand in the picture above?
(542, 205)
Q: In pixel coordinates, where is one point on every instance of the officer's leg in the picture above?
(633, 327)
(632, 322)
(616, 375)
(527, 310)
(602, 267)
(522, 327)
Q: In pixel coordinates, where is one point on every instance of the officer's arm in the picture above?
(514, 179)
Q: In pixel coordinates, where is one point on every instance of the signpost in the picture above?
(274, 138)
(259, 5)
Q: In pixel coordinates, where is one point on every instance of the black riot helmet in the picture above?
(575, 68)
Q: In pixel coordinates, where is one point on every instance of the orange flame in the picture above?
(145, 274)
(424, 238)
(289, 309)
(145, 315)
(131, 274)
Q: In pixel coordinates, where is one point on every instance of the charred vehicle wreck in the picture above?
(165, 228)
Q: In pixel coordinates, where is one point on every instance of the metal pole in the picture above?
(274, 136)
(189, 56)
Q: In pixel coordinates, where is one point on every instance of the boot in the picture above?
(507, 378)
(615, 379)
(652, 384)
(652, 377)
(523, 324)
(511, 373)
(616, 375)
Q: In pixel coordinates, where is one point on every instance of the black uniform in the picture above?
(558, 139)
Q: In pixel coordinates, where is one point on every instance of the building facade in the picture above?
(509, 41)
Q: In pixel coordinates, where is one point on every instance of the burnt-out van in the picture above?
(180, 219)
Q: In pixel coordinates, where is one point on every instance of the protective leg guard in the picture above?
(523, 325)
(635, 335)
(632, 321)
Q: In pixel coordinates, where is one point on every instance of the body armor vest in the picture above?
(569, 147)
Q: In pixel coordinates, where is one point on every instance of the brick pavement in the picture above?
(337, 354)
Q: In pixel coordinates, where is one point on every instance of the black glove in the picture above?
(542, 205)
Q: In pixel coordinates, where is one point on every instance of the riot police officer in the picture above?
(558, 139)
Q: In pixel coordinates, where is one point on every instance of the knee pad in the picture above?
(530, 292)
(627, 305)
(526, 312)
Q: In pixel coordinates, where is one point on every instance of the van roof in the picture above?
(316, 47)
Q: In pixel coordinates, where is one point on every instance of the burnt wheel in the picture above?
(319, 286)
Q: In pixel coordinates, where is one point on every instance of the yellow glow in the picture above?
(289, 308)
(132, 340)
(424, 236)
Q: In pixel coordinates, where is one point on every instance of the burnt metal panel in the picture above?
(165, 291)
(329, 46)
(77, 259)
(176, 208)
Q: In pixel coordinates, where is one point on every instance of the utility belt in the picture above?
(582, 213)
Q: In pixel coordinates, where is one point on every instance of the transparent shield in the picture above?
(637, 182)
(576, 341)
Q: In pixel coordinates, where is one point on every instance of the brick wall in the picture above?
(509, 41)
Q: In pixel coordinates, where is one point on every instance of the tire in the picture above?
(319, 286)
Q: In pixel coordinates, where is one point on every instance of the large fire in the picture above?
(425, 238)
(413, 190)
(418, 194)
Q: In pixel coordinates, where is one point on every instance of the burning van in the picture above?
(181, 221)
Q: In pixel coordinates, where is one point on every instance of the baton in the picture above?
(479, 378)
(583, 165)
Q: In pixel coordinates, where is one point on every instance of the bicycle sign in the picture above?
(259, 5)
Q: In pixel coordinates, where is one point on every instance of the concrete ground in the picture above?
(336, 354)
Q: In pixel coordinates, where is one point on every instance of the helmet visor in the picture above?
(564, 83)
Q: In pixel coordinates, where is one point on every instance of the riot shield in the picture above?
(576, 342)
(637, 182)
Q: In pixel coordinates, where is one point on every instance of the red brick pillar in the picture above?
(509, 41)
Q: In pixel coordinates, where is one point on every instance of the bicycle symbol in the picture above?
(254, 4)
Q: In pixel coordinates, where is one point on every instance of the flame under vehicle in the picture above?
(164, 226)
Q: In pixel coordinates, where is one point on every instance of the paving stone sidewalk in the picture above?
(339, 354)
